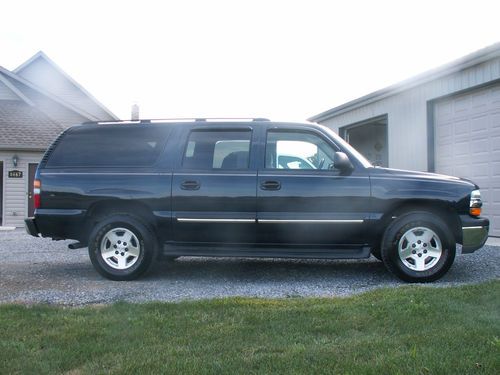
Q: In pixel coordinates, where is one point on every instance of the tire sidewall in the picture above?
(144, 236)
(393, 234)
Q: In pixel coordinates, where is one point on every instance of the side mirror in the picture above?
(342, 162)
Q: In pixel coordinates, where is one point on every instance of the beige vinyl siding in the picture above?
(15, 197)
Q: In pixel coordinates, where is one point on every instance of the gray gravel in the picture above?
(45, 271)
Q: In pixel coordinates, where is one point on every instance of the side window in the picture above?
(298, 150)
(109, 146)
(217, 149)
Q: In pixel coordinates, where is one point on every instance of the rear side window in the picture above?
(109, 145)
(214, 149)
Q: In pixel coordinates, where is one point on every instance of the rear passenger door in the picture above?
(214, 187)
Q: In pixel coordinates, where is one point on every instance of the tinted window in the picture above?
(214, 149)
(298, 150)
(109, 145)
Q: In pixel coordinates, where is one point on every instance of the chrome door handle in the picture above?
(270, 185)
(190, 185)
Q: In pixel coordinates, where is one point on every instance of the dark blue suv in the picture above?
(135, 190)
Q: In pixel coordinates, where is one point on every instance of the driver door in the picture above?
(302, 199)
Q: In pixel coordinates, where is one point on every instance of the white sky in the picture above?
(286, 60)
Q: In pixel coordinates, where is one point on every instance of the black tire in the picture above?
(433, 268)
(145, 241)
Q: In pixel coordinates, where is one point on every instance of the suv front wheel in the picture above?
(418, 247)
(121, 247)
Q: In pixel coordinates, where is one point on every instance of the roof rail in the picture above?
(180, 119)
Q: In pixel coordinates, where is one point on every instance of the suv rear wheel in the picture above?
(418, 247)
(121, 247)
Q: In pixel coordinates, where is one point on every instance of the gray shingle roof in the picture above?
(25, 127)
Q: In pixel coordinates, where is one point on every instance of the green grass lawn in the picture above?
(409, 330)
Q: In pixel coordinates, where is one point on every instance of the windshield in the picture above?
(349, 148)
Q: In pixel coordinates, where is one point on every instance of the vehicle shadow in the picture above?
(266, 269)
(366, 271)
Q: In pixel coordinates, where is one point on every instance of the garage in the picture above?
(467, 143)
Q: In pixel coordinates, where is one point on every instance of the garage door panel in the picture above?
(495, 121)
(495, 170)
(461, 106)
(461, 148)
(479, 170)
(446, 142)
(444, 113)
(478, 146)
(461, 127)
(480, 102)
(495, 199)
(467, 143)
(479, 158)
(445, 131)
(479, 125)
(460, 160)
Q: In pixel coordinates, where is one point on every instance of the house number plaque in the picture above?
(15, 174)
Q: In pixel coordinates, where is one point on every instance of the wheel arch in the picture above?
(103, 209)
(444, 211)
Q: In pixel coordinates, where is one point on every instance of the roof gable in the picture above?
(57, 110)
(44, 73)
(26, 86)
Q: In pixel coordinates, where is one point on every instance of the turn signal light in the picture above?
(475, 211)
(37, 186)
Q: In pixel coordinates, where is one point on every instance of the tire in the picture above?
(418, 247)
(122, 247)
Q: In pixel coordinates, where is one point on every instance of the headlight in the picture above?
(475, 203)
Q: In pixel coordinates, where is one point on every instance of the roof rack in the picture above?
(181, 119)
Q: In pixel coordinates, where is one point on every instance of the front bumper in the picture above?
(474, 233)
(30, 226)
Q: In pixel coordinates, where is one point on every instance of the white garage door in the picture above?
(467, 144)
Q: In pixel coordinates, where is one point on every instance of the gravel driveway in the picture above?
(41, 270)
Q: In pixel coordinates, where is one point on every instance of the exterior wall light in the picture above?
(15, 159)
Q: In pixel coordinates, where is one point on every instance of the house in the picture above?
(38, 100)
(446, 120)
